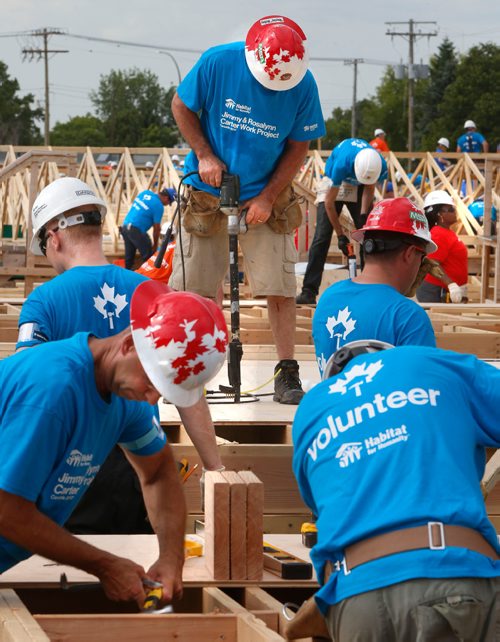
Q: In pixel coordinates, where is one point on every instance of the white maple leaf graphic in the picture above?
(109, 304)
(343, 320)
(356, 376)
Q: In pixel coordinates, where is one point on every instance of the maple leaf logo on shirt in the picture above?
(346, 324)
(109, 304)
(355, 378)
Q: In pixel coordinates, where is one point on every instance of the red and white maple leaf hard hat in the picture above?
(276, 52)
(180, 338)
(397, 215)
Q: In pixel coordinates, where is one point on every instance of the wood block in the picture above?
(255, 524)
(217, 540)
(237, 525)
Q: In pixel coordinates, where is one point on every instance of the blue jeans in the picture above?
(323, 238)
(135, 240)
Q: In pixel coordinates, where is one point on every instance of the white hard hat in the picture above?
(180, 338)
(438, 197)
(174, 157)
(149, 165)
(57, 198)
(444, 141)
(379, 131)
(469, 123)
(276, 52)
(368, 166)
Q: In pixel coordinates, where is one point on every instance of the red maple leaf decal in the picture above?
(220, 345)
(194, 349)
(198, 367)
(182, 374)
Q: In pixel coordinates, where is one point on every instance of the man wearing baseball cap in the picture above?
(249, 108)
(67, 403)
(146, 213)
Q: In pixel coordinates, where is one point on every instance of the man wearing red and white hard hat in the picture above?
(373, 305)
(250, 108)
(68, 403)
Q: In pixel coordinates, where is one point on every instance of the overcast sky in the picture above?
(340, 30)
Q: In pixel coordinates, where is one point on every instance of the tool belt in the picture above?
(202, 217)
(433, 536)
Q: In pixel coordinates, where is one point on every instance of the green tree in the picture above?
(79, 131)
(338, 127)
(475, 94)
(134, 108)
(17, 115)
(442, 73)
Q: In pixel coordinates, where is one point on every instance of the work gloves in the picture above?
(457, 292)
(343, 244)
(429, 266)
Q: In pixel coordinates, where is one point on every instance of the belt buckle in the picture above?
(342, 565)
(432, 546)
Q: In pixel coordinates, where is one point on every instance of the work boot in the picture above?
(287, 385)
(306, 297)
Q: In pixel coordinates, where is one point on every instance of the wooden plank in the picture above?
(255, 524)
(16, 622)
(237, 525)
(146, 628)
(217, 536)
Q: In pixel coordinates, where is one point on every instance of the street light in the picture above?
(167, 53)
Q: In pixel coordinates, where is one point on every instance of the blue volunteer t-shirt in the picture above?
(56, 430)
(147, 209)
(394, 441)
(349, 311)
(340, 164)
(471, 142)
(94, 299)
(247, 125)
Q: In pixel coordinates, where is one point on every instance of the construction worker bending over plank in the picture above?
(395, 239)
(389, 452)
(258, 109)
(67, 403)
(91, 295)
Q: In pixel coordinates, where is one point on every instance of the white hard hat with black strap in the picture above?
(339, 359)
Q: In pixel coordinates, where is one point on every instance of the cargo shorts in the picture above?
(268, 261)
(424, 610)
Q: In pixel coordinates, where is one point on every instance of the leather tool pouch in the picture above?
(201, 215)
(286, 215)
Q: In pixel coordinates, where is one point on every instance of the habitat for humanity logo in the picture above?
(232, 104)
(349, 453)
(110, 304)
(340, 326)
(355, 378)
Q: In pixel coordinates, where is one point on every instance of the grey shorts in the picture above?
(268, 261)
(424, 610)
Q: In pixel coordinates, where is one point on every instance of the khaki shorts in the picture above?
(269, 262)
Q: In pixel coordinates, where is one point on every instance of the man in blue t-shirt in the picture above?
(250, 109)
(389, 452)
(146, 212)
(89, 294)
(354, 168)
(395, 239)
(66, 404)
(472, 141)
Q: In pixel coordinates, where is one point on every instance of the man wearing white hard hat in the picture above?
(91, 295)
(379, 142)
(443, 145)
(250, 109)
(471, 141)
(67, 403)
(354, 168)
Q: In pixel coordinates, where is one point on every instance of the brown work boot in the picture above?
(287, 385)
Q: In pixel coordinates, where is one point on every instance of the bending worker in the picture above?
(354, 168)
(91, 295)
(146, 213)
(395, 240)
(389, 452)
(67, 403)
(250, 109)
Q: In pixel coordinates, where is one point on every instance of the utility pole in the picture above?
(44, 52)
(354, 62)
(412, 34)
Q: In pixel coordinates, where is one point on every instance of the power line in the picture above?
(412, 35)
(44, 52)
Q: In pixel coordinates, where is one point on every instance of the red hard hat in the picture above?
(276, 52)
(397, 215)
(181, 340)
